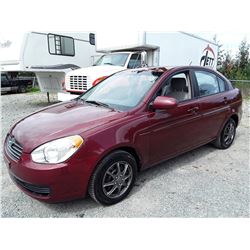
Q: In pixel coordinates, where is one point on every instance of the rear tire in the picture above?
(22, 89)
(113, 178)
(227, 135)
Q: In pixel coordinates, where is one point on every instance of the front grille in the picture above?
(37, 190)
(79, 83)
(13, 148)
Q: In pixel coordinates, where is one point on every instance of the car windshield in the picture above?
(113, 59)
(122, 91)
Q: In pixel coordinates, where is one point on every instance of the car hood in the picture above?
(64, 119)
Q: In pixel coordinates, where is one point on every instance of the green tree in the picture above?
(227, 65)
(220, 55)
(242, 58)
(237, 68)
(247, 70)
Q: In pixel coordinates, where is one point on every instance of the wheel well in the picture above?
(236, 119)
(130, 150)
(133, 152)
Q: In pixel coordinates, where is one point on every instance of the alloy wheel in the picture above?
(229, 133)
(117, 179)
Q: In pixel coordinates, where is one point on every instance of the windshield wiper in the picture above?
(100, 104)
(109, 63)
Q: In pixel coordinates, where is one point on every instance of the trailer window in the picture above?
(61, 45)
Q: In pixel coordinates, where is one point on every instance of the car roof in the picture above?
(159, 69)
(166, 68)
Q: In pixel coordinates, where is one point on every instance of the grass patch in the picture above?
(34, 90)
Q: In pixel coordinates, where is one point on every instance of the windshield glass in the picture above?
(113, 59)
(124, 90)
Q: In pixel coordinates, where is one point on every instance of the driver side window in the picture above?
(178, 87)
(135, 61)
(4, 78)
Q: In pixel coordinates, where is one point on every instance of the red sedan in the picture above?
(130, 121)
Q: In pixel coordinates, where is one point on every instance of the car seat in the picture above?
(178, 89)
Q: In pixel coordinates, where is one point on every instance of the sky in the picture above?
(229, 20)
(230, 41)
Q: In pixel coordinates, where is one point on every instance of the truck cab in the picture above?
(128, 60)
(11, 82)
(80, 80)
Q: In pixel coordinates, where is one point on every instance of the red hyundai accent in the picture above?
(130, 121)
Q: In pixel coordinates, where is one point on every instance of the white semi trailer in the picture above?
(49, 55)
(137, 49)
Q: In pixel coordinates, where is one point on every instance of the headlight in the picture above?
(58, 150)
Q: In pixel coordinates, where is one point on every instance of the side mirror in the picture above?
(92, 38)
(144, 59)
(164, 102)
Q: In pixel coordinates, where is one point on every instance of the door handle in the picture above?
(225, 100)
(193, 110)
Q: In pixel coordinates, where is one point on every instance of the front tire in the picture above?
(227, 135)
(113, 178)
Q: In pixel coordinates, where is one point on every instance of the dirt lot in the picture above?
(203, 183)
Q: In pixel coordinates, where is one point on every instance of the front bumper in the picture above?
(40, 191)
(49, 182)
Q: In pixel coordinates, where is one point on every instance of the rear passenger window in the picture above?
(221, 84)
(207, 83)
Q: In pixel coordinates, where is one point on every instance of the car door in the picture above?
(177, 130)
(214, 105)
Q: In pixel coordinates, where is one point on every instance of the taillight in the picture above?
(98, 80)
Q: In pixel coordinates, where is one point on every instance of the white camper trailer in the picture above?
(49, 55)
(138, 49)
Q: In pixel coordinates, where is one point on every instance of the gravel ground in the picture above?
(205, 182)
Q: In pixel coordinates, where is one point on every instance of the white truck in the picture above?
(126, 51)
(49, 55)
